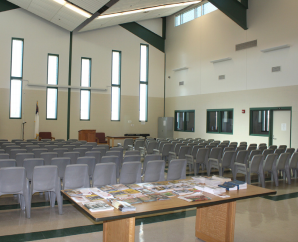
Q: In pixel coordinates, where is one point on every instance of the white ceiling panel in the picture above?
(68, 19)
(91, 6)
(46, 9)
(21, 3)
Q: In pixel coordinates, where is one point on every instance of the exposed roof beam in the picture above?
(5, 6)
(234, 10)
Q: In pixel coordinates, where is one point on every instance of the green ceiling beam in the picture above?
(5, 6)
(145, 34)
(234, 10)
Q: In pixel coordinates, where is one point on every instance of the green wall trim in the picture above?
(69, 83)
(234, 10)
(164, 27)
(145, 34)
(245, 3)
(5, 6)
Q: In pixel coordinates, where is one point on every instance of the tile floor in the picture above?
(272, 218)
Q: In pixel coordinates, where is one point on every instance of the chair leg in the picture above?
(275, 177)
(52, 199)
(248, 177)
(287, 171)
(262, 179)
(208, 169)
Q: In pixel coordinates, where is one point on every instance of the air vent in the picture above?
(181, 83)
(247, 45)
(276, 69)
(221, 77)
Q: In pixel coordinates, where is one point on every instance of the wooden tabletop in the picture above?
(174, 203)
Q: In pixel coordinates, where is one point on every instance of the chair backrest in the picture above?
(23, 145)
(87, 146)
(155, 171)
(102, 150)
(104, 174)
(138, 144)
(250, 148)
(240, 148)
(184, 150)
(61, 163)
(282, 147)
(47, 156)
(290, 150)
(2, 151)
(69, 147)
(13, 180)
(234, 143)
(106, 146)
(45, 178)
(121, 150)
(90, 161)
(149, 158)
(131, 172)
(30, 148)
(73, 156)
(279, 151)
(59, 144)
(95, 154)
(127, 142)
(129, 158)
(177, 169)
(76, 176)
(202, 155)
(228, 149)
(132, 152)
(94, 144)
(273, 147)
(21, 156)
(43, 144)
(59, 140)
(166, 149)
(241, 157)
(177, 147)
(50, 147)
(256, 164)
(254, 152)
(282, 161)
(267, 152)
(7, 163)
(4, 156)
(82, 151)
(10, 147)
(228, 159)
(111, 158)
(38, 151)
(60, 151)
(262, 148)
(243, 143)
(13, 152)
(72, 140)
(269, 161)
(294, 161)
(215, 153)
(118, 154)
(30, 163)
(151, 145)
(194, 151)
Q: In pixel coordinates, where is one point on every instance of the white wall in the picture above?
(249, 81)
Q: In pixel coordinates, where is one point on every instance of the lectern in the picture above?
(87, 134)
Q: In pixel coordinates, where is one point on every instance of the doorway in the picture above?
(281, 133)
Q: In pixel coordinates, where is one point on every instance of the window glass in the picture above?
(260, 122)
(53, 69)
(15, 98)
(144, 59)
(85, 72)
(208, 8)
(115, 103)
(227, 121)
(52, 97)
(179, 121)
(188, 16)
(212, 125)
(143, 108)
(177, 20)
(143, 102)
(17, 58)
(185, 121)
(85, 104)
(198, 11)
(116, 68)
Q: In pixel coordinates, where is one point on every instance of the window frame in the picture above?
(219, 120)
(115, 85)
(144, 82)
(50, 54)
(16, 78)
(85, 88)
(185, 125)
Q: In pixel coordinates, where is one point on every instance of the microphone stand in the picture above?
(23, 128)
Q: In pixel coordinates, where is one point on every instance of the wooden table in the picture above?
(215, 219)
(119, 137)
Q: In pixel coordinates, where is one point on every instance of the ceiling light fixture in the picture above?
(146, 9)
(74, 8)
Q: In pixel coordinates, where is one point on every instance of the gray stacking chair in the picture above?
(251, 147)
(59, 140)
(176, 147)
(45, 179)
(191, 157)
(13, 152)
(60, 151)
(106, 146)
(4, 156)
(148, 149)
(279, 151)
(132, 152)
(138, 144)
(30, 163)
(47, 156)
(76, 144)
(23, 145)
(243, 143)
(59, 144)
(88, 147)
(61, 163)
(149, 158)
(21, 156)
(240, 148)
(126, 143)
(43, 144)
(46, 140)
(184, 149)
(118, 164)
(253, 153)
(7, 163)
(227, 161)
(30, 148)
(273, 147)
(228, 149)
(130, 158)
(32, 140)
(131, 172)
(282, 147)
(69, 147)
(177, 169)
(102, 150)
(13, 181)
(267, 152)
(240, 159)
(234, 143)
(73, 156)
(293, 164)
(262, 148)
(76, 176)
(201, 159)
(2, 151)
(110, 159)
(82, 151)
(38, 151)
(72, 140)
(215, 153)
(90, 161)
(164, 151)
(280, 165)
(121, 152)
(104, 174)
(94, 144)
(95, 154)
(51, 147)
(4, 145)
(270, 160)
(290, 150)
(10, 147)
(154, 171)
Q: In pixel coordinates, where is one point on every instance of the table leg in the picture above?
(120, 230)
(113, 142)
(216, 223)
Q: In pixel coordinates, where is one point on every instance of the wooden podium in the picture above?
(87, 134)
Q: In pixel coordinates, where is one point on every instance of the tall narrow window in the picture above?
(116, 86)
(85, 93)
(52, 92)
(143, 111)
(16, 75)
